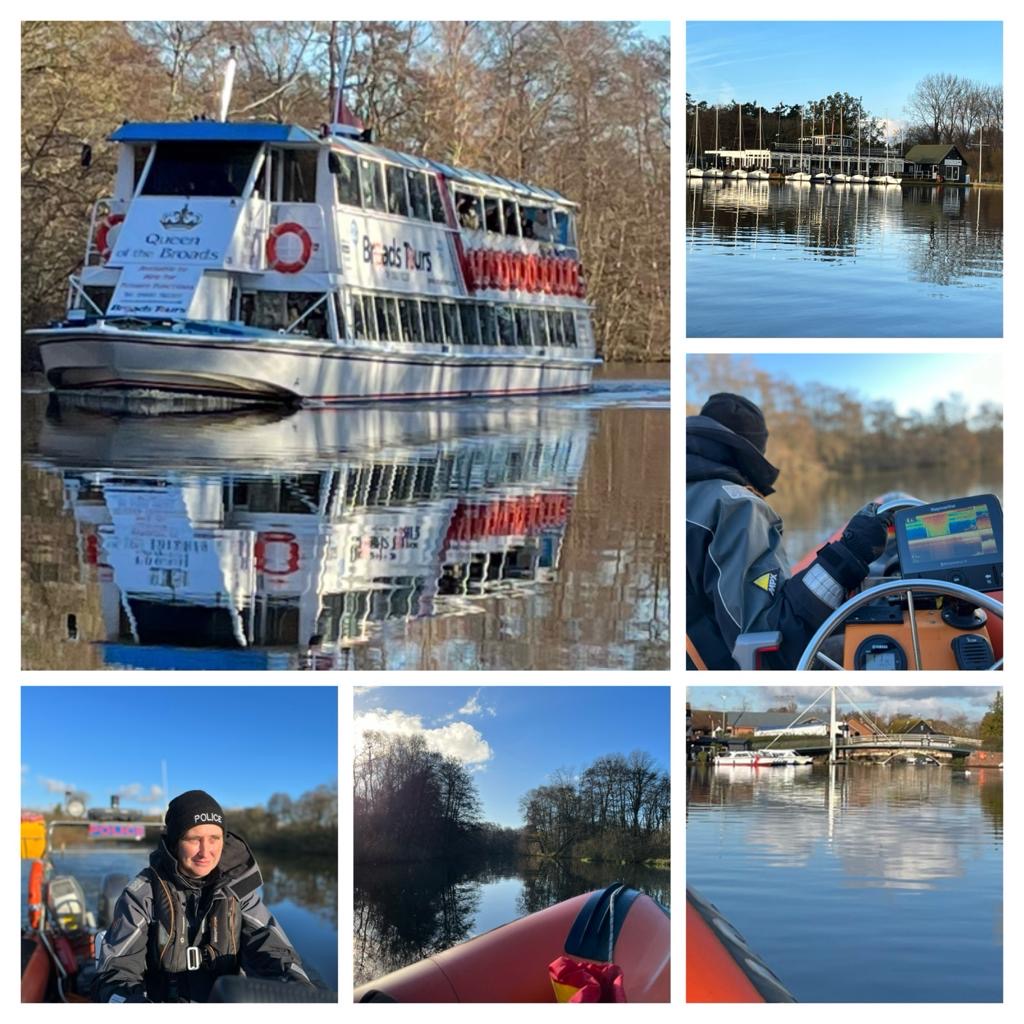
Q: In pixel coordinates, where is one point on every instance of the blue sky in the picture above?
(909, 381)
(240, 743)
(926, 701)
(514, 737)
(796, 61)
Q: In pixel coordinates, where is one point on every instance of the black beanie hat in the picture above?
(740, 415)
(188, 810)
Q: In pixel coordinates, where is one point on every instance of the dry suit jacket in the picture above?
(738, 578)
(171, 936)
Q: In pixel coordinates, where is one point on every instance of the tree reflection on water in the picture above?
(405, 912)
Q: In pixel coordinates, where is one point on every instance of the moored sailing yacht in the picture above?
(841, 177)
(267, 261)
(801, 174)
(716, 171)
(759, 172)
(859, 178)
(822, 177)
(738, 172)
(695, 171)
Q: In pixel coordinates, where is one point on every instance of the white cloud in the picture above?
(456, 739)
(474, 707)
(135, 792)
(24, 770)
(56, 785)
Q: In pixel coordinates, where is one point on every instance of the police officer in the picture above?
(194, 914)
(738, 578)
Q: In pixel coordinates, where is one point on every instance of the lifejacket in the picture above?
(183, 962)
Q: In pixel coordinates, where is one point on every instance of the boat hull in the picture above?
(295, 371)
(720, 966)
(510, 963)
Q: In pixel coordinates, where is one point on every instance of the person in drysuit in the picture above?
(738, 578)
(193, 915)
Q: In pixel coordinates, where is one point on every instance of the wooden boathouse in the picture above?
(942, 162)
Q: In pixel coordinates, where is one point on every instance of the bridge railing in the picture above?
(905, 740)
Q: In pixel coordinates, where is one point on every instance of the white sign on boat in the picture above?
(179, 232)
(155, 290)
(405, 257)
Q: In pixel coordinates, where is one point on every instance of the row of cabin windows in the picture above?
(386, 318)
(387, 188)
(509, 217)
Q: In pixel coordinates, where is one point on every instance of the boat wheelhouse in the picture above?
(268, 261)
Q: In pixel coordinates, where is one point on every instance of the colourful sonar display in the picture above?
(957, 534)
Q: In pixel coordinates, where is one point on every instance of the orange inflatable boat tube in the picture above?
(510, 964)
(720, 966)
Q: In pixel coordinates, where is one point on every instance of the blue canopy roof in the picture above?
(211, 131)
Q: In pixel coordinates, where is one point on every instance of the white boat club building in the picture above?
(840, 155)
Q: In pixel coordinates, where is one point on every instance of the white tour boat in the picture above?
(746, 759)
(268, 261)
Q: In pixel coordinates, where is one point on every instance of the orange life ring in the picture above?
(546, 274)
(288, 266)
(477, 268)
(531, 273)
(502, 271)
(103, 234)
(35, 894)
(272, 563)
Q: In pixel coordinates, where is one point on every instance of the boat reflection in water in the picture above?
(229, 557)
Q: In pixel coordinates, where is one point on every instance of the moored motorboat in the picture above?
(747, 759)
(720, 966)
(267, 261)
(510, 964)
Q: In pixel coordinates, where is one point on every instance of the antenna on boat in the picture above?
(229, 84)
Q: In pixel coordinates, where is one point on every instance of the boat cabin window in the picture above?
(295, 175)
(506, 326)
(347, 177)
(437, 212)
(468, 210)
(470, 324)
(492, 214)
(398, 202)
(433, 333)
(511, 217)
(277, 310)
(419, 202)
(409, 314)
(450, 317)
(523, 333)
(372, 178)
(489, 325)
(536, 222)
(569, 328)
(540, 331)
(564, 234)
(200, 168)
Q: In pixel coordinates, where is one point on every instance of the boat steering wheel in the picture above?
(813, 653)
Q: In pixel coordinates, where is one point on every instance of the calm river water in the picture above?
(462, 535)
(886, 888)
(766, 259)
(302, 895)
(405, 912)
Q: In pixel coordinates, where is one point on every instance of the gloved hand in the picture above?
(866, 533)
